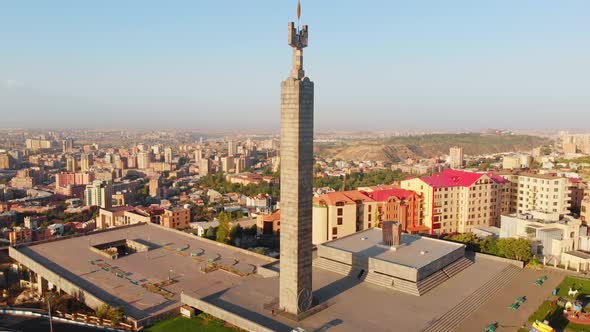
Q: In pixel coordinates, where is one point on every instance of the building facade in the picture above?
(538, 192)
(178, 218)
(551, 233)
(456, 201)
(456, 157)
(99, 193)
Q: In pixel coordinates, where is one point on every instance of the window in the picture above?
(370, 206)
(334, 230)
(369, 218)
(339, 211)
(339, 220)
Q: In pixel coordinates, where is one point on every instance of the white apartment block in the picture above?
(538, 192)
(552, 234)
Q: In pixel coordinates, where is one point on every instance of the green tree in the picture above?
(236, 233)
(490, 246)
(115, 314)
(211, 233)
(223, 229)
(519, 249)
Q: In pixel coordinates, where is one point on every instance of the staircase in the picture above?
(433, 280)
(334, 266)
(461, 311)
(457, 266)
(405, 286)
(379, 279)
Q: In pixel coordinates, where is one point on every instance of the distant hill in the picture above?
(396, 149)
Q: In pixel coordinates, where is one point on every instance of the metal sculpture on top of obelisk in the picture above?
(295, 296)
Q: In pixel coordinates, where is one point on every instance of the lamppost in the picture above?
(49, 311)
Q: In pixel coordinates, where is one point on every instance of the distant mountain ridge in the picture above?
(396, 149)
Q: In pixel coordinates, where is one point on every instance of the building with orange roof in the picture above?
(342, 213)
(401, 205)
(269, 223)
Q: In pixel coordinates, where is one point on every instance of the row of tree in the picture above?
(227, 234)
(360, 179)
(519, 249)
(217, 182)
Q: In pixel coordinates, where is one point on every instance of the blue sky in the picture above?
(377, 64)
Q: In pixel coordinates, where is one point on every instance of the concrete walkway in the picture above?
(496, 309)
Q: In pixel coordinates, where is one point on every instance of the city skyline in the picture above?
(215, 65)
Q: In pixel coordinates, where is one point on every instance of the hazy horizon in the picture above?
(382, 65)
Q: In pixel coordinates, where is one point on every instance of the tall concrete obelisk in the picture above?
(295, 295)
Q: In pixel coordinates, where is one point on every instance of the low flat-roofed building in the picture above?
(551, 234)
(143, 268)
(415, 266)
(203, 226)
(120, 216)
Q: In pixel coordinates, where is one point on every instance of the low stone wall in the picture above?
(55, 279)
(62, 283)
(514, 262)
(334, 254)
(223, 314)
(219, 244)
(30, 313)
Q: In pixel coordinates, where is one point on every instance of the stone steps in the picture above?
(457, 266)
(461, 311)
(333, 266)
(379, 279)
(431, 281)
(405, 286)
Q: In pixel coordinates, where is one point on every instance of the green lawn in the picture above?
(554, 314)
(582, 285)
(202, 322)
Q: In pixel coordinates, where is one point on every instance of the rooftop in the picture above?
(456, 178)
(351, 305)
(414, 251)
(125, 281)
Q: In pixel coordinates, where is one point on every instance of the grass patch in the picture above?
(544, 310)
(202, 322)
(554, 313)
(582, 285)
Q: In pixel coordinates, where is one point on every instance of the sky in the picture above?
(218, 64)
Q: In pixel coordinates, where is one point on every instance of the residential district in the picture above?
(173, 230)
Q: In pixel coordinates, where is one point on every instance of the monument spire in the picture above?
(298, 12)
(295, 293)
(298, 41)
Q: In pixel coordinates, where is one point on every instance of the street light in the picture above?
(49, 310)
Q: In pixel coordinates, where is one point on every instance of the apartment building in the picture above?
(99, 193)
(456, 201)
(177, 217)
(585, 210)
(342, 213)
(538, 192)
(456, 158)
(396, 204)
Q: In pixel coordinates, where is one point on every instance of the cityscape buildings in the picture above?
(404, 230)
(99, 193)
(456, 158)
